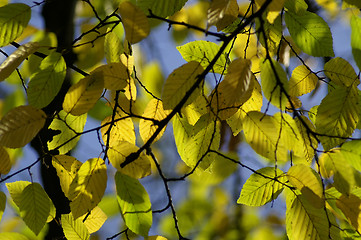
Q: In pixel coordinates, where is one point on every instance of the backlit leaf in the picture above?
(307, 143)
(156, 238)
(113, 46)
(337, 116)
(5, 162)
(310, 33)
(88, 186)
(94, 220)
(340, 72)
(273, 9)
(134, 204)
(162, 8)
(66, 139)
(203, 52)
(137, 169)
(350, 205)
(66, 169)
(12, 236)
(302, 81)
(20, 125)
(135, 22)
(45, 84)
(83, 95)
(179, 82)
(74, 229)
(352, 153)
(15, 189)
(355, 39)
(13, 20)
(262, 187)
(147, 128)
(222, 13)
(16, 58)
(2, 204)
(274, 84)
(122, 129)
(34, 207)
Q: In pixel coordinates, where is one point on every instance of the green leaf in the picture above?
(355, 39)
(34, 207)
(88, 187)
(74, 229)
(45, 84)
(310, 33)
(12, 236)
(262, 187)
(352, 153)
(203, 52)
(66, 139)
(2, 204)
(340, 72)
(134, 204)
(163, 8)
(274, 83)
(337, 116)
(13, 20)
(296, 6)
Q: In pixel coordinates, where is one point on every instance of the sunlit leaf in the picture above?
(340, 72)
(137, 169)
(222, 13)
(113, 47)
(179, 83)
(34, 207)
(66, 138)
(5, 163)
(296, 6)
(87, 188)
(162, 8)
(355, 24)
(2, 204)
(45, 84)
(122, 129)
(307, 143)
(135, 22)
(350, 205)
(273, 9)
(273, 33)
(14, 19)
(20, 125)
(337, 116)
(310, 33)
(74, 229)
(262, 187)
(94, 220)
(12, 236)
(16, 58)
(356, 3)
(134, 204)
(352, 153)
(147, 127)
(156, 238)
(302, 81)
(203, 52)
(66, 169)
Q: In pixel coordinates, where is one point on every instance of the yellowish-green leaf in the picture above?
(305, 179)
(340, 72)
(179, 83)
(235, 89)
(134, 204)
(122, 129)
(222, 13)
(66, 139)
(350, 205)
(94, 220)
(310, 33)
(273, 34)
(135, 22)
(296, 6)
(137, 169)
(262, 187)
(88, 186)
(45, 84)
(274, 83)
(13, 20)
(83, 95)
(16, 58)
(195, 110)
(113, 46)
(355, 3)
(337, 116)
(5, 163)
(12, 236)
(352, 153)
(34, 207)
(307, 143)
(15, 189)
(273, 9)
(156, 238)
(74, 229)
(302, 81)
(2, 204)
(147, 128)
(20, 125)
(66, 169)
(355, 39)
(203, 52)
(163, 8)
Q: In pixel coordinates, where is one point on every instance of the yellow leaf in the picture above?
(83, 95)
(135, 22)
(147, 128)
(308, 182)
(20, 125)
(156, 238)
(16, 58)
(122, 130)
(307, 143)
(87, 188)
(302, 81)
(179, 82)
(74, 229)
(66, 169)
(5, 162)
(222, 13)
(94, 220)
(273, 9)
(340, 72)
(137, 169)
(350, 205)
